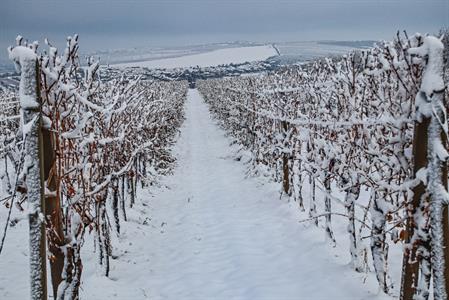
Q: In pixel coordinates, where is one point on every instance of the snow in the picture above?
(208, 59)
(25, 60)
(433, 48)
(21, 54)
(210, 232)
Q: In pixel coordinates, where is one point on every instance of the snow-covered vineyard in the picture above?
(321, 180)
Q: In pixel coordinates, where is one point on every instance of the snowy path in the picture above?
(215, 234)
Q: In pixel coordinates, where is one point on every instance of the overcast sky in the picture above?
(133, 23)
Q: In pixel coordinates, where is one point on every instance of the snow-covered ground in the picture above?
(209, 232)
(212, 58)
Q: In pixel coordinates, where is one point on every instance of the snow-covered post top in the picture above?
(25, 59)
(432, 79)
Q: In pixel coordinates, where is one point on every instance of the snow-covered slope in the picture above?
(207, 59)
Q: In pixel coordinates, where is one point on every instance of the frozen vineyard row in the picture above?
(99, 141)
(358, 143)
(345, 127)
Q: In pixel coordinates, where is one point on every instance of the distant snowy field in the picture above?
(208, 59)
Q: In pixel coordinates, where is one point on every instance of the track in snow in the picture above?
(215, 234)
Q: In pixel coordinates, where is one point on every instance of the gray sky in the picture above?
(131, 23)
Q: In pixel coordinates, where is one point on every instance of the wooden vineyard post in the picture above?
(285, 161)
(53, 211)
(30, 105)
(430, 156)
(410, 264)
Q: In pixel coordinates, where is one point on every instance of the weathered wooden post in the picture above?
(431, 155)
(410, 263)
(30, 105)
(285, 161)
(53, 210)
(432, 91)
